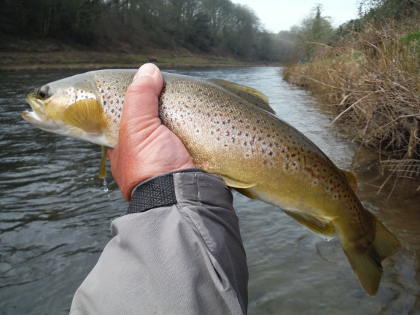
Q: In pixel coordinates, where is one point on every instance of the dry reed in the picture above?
(373, 82)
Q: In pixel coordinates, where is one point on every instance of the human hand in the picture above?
(146, 147)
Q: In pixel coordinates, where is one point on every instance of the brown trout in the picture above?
(230, 130)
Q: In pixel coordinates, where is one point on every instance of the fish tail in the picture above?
(385, 243)
(367, 264)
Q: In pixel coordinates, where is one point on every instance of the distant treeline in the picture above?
(209, 26)
(305, 41)
(217, 27)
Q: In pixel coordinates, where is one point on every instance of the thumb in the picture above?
(141, 98)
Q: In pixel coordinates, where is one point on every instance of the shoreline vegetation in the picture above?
(370, 79)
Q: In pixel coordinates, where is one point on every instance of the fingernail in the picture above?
(146, 70)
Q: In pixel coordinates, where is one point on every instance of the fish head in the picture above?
(69, 107)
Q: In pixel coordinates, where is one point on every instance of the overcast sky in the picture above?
(278, 15)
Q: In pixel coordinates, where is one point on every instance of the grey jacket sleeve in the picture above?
(184, 258)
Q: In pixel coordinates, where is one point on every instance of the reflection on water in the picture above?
(55, 217)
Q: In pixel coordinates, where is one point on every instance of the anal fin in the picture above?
(312, 223)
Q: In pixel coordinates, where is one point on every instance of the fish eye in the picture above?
(43, 92)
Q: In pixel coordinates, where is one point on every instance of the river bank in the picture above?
(47, 54)
(371, 83)
(17, 61)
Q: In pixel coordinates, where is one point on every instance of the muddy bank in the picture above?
(75, 59)
(49, 55)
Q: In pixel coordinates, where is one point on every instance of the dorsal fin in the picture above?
(253, 96)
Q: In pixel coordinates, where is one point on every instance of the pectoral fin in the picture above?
(249, 94)
(85, 114)
(313, 223)
(236, 183)
(102, 166)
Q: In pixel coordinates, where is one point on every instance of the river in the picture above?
(55, 215)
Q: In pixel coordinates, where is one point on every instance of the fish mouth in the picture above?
(35, 103)
(37, 116)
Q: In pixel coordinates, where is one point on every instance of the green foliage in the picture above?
(382, 9)
(314, 32)
(411, 38)
(347, 29)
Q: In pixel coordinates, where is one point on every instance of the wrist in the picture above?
(129, 186)
(192, 185)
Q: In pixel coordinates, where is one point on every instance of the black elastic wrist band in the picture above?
(156, 192)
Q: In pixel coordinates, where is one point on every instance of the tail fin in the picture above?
(385, 243)
(367, 264)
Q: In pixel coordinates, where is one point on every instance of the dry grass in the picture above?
(373, 82)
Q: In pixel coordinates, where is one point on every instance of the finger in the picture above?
(141, 99)
(109, 153)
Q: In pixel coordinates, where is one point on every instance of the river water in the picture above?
(55, 216)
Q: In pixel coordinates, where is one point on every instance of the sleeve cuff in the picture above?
(158, 191)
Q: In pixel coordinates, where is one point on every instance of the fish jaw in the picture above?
(52, 115)
(39, 119)
(64, 130)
